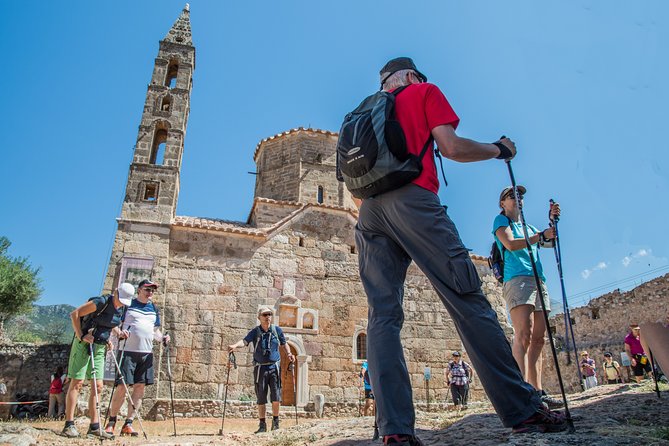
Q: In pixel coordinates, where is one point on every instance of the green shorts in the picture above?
(79, 366)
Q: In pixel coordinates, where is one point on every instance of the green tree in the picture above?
(19, 285)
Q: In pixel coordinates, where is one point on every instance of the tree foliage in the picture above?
(19, 284)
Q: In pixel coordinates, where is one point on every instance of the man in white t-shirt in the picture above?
(142, 322)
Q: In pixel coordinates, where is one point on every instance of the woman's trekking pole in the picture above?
(95, 388)
(111, 397)
(376, 425)
(129, 397)
(291, 368)
(169, 377)
(568, 327)
(232, 362)
(516, 195)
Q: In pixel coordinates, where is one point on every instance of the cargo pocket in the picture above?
(464, 278)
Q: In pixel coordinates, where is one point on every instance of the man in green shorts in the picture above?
(93, 323)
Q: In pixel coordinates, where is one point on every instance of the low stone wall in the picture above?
(191, 408)
(27, 368)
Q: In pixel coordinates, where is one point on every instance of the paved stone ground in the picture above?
(606, 415)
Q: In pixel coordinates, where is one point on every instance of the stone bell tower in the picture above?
(153, 182)
(141, 245)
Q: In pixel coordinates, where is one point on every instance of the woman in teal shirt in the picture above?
(520, 287)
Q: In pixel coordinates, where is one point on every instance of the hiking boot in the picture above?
(275, 424)
(552, 403)
(262, 427)
(128, 430)
(402, 440)
(542, 421)
(70, 431)
(104, 435)
(109, 428)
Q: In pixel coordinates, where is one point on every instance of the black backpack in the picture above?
(372, 155)
(496, 260)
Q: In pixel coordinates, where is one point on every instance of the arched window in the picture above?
(158, 147)
(320, 194)
(361, 346)
(172, 71)
(166, 104)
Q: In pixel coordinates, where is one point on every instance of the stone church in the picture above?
(295, 253)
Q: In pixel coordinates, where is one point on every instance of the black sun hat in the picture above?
(397, 64)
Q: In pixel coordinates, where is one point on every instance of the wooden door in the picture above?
(288, 385)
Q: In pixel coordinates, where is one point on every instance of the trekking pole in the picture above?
(169, 377)
(376, 425)
(95, 389)
(129, 398)
(360, 395)
(570, 422)
(115, 379)
(291, 369)
(652, 365)
(232, 361)
(568, 327)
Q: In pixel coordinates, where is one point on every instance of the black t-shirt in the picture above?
(103, 319)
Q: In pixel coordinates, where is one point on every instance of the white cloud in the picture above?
(588, 272)
(640, 253)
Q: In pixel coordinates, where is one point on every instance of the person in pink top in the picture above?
(634, 350)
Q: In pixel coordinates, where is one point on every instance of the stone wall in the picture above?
(602, 325)
(28, 368)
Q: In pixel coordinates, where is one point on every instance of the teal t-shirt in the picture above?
(517, 263)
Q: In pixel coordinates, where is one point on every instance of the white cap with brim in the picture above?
(125, 293)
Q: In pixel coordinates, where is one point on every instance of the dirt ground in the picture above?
(606, 415)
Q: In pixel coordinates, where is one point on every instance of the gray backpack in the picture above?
(372, 156)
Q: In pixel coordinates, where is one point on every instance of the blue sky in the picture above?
(579, 85)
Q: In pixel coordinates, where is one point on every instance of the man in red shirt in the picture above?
(409, 223)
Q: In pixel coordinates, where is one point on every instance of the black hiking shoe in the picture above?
(275, 424)
(262, 427)
(552, 403)
(542, 421)
(402, 440)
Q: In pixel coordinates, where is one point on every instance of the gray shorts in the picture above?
(522, 290)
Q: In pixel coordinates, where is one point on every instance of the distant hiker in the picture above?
(266, 339)
(369, 395)
(635, 351)
(142, 322)
(589, 371)
(458, 378)
(56, 394)
(93, 323)
(520, 286)
(611, 370)
(409, 223)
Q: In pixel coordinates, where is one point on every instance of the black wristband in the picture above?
(504, 151)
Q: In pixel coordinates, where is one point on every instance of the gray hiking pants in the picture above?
(410, 224)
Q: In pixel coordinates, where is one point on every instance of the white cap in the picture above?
(125, 293)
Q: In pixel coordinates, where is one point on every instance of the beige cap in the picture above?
(265, 309)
